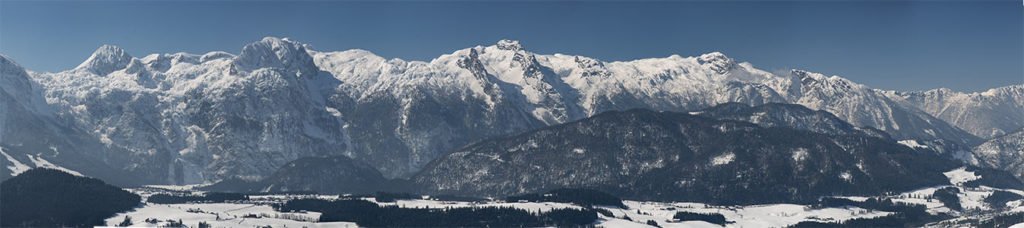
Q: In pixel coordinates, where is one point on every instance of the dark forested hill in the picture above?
(790, 116)
(674, 156)
(51, 198)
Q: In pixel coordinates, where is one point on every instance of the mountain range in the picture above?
(188, 118)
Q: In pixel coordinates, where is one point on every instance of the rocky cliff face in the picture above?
(986, 114)
(187, 119)
(32, 136)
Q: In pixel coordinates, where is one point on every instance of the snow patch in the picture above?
(846, 176)
(334, 112)
(723, 159)
(529, 206)
(16, 166)
(960, 176)
(189, 187)
(800, 154)
(912, 144)
(43, 163)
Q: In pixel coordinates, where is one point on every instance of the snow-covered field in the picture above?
(960, 176)
(769, 215)
(233, 214)
(637, 212)
(528, 206)
(222, 215)
(190, 187)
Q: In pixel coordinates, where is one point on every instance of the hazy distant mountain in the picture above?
(325, 175)
(673, 156)
(986, 114)
(184, 118)
(333, 175)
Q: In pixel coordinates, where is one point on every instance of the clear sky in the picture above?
(966, 46)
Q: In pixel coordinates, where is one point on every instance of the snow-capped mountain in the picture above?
(189, 118)
(31, 136)
(1004, 152)
(674, 156)
(986, 114)
(486, 91)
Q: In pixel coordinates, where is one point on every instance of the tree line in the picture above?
(370, 214)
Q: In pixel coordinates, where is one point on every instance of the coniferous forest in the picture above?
(52, 198)
(580, 196)
(369, 214)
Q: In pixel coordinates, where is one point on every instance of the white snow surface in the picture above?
(189, 187)
(43, 163)
(529, 206)
(16, 166)
(723, 159)
(769, 215)
(231, 215)
(912, 144)
(960, 176)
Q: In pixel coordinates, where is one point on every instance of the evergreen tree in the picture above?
(126, 222)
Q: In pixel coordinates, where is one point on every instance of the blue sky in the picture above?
(966, 46)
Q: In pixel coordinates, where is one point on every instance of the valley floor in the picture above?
(260, 214)
(769, 215)
(257, 210)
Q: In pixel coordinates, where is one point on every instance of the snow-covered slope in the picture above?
(32, 136)
(188, 118)
(1004, 152)
(986, 114)
(191, 118)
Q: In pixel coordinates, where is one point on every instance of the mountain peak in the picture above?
(8, 64)
(273, 52)
(511, 45)
(717, 62)
(106, 59)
